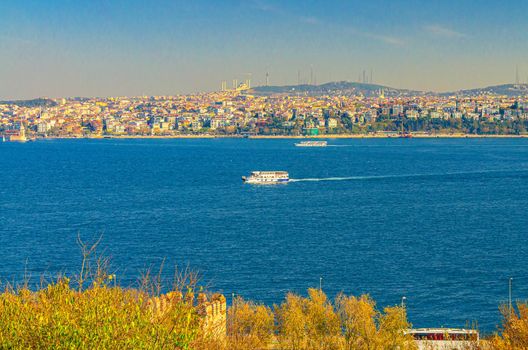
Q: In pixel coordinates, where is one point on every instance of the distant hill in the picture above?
(38, 102)
(341, 87)
(505, 89)
(352, 88)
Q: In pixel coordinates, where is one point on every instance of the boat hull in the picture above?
(264, 182)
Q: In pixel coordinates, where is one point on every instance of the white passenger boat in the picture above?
(267, 177)
(312, 144)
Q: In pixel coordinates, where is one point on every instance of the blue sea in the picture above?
(442, 222)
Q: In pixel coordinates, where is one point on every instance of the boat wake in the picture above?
(328, 179)
(403, 176)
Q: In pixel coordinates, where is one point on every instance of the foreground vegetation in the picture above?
(514, 329)
(314, 322)
(109, 317)
(93, 312)
(99, 317)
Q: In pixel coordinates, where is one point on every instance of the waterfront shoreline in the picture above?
(334, 136)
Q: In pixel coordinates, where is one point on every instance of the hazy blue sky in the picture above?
(126, 47)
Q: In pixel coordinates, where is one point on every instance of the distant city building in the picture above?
(238, 111)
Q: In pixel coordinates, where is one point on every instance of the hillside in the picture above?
(365, 89)
(341, 88)
(504, 89)
(38, 102)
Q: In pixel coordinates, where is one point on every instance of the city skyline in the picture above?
(118, 48)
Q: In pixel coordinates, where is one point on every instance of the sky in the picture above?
(65, 48)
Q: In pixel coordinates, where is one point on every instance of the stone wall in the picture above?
(213, 313)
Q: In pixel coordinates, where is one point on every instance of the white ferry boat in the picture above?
(267, 177)
(312, 144)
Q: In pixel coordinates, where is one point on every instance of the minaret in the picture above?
(248, 81)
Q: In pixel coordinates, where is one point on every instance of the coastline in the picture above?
(382, 136)
(333, 136)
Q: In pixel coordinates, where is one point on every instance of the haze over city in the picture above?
(112, 48)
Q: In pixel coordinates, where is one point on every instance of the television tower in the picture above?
(311, 74)
(516, 75)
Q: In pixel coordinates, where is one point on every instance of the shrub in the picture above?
(59, 317)
(250, 325)
(514, 329)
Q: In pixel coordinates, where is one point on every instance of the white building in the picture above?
(43, 127)
(444, 338)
